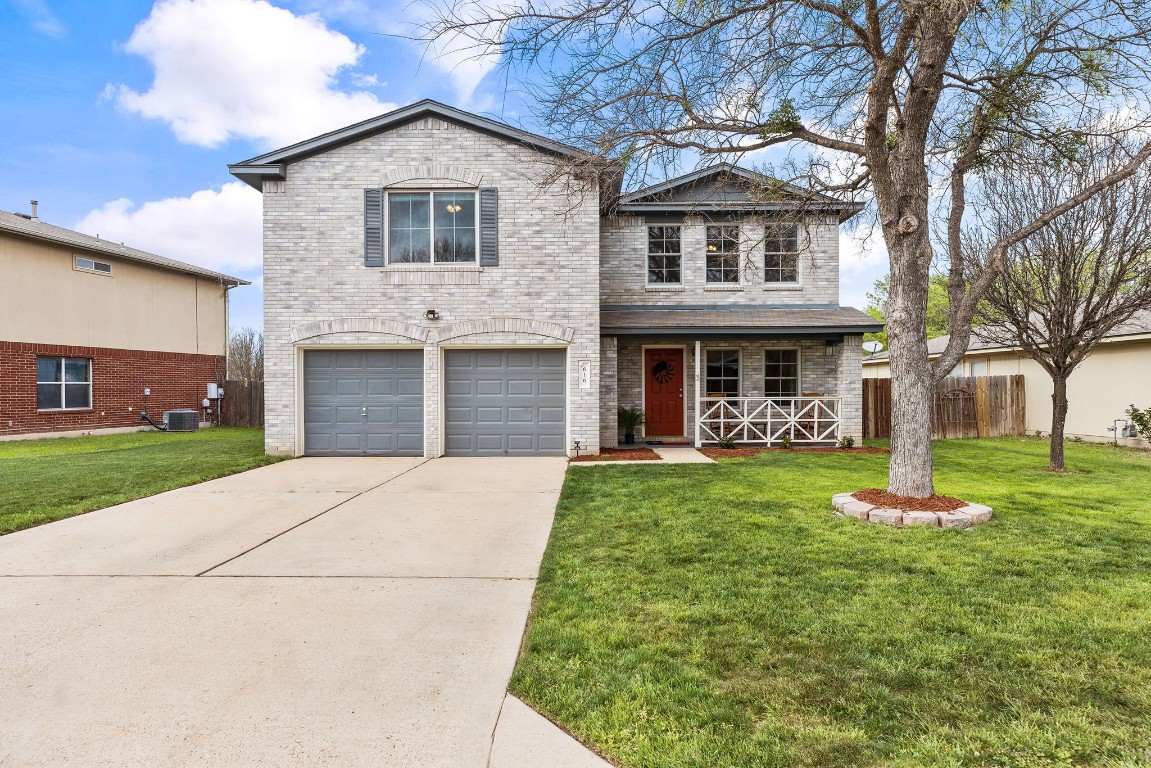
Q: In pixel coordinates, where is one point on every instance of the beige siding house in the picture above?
(1116, 375)
(86, 325)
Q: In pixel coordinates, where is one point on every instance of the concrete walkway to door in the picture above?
(316, 612)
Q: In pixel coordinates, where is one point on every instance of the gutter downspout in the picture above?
(698, 400)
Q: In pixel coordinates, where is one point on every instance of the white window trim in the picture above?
(798, 370)
(647, 256)
(91, 270)
(739, 369)
(789, 285)
(726, 285)
(433, 264)
(64, 380)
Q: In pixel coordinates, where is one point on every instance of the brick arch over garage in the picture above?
(431, 171)
(504, 325)
(359, 325)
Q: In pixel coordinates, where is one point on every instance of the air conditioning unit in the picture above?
(182, 420)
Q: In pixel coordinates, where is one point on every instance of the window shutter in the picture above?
(489, 227)
(373, 228)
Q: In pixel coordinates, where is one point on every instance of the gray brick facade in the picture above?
(545, 290)
(623, 273)
(560, 261)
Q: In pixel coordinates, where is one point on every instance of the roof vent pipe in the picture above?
(35, 204)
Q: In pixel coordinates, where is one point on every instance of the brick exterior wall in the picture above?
(623, 248)
(318, 292)
(119, 376)
(830, 370)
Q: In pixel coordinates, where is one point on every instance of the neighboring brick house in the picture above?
(87, 325)
(441, 283)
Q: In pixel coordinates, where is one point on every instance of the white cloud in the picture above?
(219, 229)
(862, 261)
(40, 16)
(464, 62)
(225, 68)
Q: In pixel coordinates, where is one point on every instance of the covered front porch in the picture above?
(760, 385)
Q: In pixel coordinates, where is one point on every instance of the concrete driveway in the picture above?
(335, 612)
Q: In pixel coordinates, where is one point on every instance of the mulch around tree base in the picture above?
(620, 454)
(884, 500)
(748, 451)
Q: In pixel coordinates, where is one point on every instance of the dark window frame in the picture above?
(721, 265)
(65, 389)
(663, 262)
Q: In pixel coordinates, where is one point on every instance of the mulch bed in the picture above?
(885, 500)
(748, 451)
(620, 454)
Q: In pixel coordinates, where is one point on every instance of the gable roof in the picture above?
(728, 187)
(1138, 325)
(35, 229)
(272, 165)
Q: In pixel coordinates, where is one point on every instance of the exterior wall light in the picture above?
(431, 314)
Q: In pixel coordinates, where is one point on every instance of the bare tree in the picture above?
(879, 98)
(246, 355)
(1063, 289)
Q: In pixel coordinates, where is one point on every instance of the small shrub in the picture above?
(727, 442)
(785, 441)
(1141, 420)
(845, 442)
(1075, 439)
(630, 417)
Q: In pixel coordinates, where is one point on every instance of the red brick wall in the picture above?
(119, 376)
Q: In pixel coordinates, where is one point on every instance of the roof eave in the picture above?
(255, 175)
(846, 210)
(405, 115)
(741, 330)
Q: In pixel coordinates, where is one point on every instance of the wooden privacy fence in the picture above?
(243, 404)
(971, 406)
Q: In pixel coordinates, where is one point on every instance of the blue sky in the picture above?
(121, 117)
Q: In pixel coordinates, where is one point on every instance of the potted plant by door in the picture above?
(630, 417)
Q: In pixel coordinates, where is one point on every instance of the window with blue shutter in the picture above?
(373, 228)
(489, 227)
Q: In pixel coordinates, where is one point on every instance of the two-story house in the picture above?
(439, 283)
(92, 332)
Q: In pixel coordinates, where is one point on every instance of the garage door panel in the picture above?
(363, 402)
(505, 402)
(489, 387)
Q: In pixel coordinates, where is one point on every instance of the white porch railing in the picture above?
(769, 419)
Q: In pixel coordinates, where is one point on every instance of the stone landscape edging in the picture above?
(847, 505)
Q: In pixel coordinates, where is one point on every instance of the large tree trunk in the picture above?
(912, 384)
(1058, 421)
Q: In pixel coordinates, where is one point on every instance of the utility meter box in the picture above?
(214, 391)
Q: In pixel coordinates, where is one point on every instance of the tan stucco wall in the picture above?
(1117, 374)
(43, 299)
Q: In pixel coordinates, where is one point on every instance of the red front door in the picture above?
(663, 391)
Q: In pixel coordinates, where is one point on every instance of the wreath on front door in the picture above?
(663, 372)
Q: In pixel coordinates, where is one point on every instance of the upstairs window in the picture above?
(781, 373)
(722, 373)
(663, 255)
(90, 265)
(432, 227)
(781, 254)
(723, 254)
(63, 383)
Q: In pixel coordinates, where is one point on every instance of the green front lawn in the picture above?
(721, 616)
(46, 480)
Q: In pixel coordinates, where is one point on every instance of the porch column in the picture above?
(609, 391)
(698, 399)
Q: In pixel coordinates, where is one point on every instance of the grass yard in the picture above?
(46, 480)
(721, 616)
